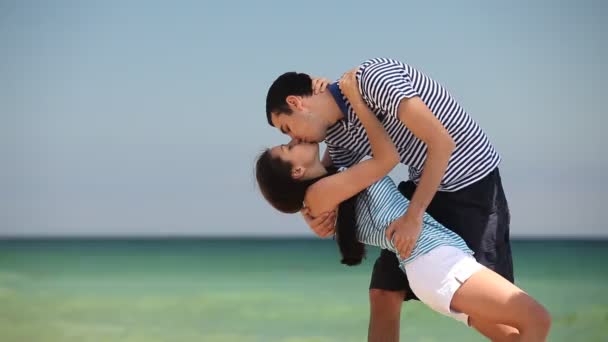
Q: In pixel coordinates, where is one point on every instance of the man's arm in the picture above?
(425, 126)
(389, 87)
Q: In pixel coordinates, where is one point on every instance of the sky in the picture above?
(129, 118)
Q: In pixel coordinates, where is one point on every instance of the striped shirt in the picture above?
(381, 204)
(384, 83)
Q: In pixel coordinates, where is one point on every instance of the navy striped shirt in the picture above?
(384, 83)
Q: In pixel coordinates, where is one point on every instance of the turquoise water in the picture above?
(255, 290)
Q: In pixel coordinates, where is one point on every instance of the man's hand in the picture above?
(405, 231)
(323, 225)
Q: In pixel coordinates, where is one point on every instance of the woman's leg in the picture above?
(491, 298)
(494, 332)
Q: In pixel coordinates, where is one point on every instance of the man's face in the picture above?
(301, 125)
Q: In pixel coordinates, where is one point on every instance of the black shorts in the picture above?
(478, 213)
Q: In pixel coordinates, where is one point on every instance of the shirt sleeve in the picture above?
(385, 84)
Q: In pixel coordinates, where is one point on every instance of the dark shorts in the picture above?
(478, 213)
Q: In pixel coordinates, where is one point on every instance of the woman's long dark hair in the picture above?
(287, 195)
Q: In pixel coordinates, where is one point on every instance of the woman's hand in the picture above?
(323, 225)
(319, 84)
(350, 86)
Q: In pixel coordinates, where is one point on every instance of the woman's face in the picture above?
(298, 154)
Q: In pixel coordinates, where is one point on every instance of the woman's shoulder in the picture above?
(315, 198)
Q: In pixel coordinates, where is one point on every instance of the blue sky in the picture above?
(144, 117)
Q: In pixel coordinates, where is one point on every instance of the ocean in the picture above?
(292, 290)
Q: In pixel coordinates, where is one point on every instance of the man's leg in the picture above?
(385, 314)
(389, 287)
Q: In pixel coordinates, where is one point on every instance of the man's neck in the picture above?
(331, 111)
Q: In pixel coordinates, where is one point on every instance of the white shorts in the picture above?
(435, 276)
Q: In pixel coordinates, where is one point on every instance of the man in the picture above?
(452, 165)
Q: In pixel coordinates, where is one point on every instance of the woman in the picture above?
(441, 269)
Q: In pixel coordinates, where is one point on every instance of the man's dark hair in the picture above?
(290, 83)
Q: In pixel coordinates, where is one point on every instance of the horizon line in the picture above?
(253, 237)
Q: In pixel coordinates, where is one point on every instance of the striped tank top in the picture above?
(381, 204)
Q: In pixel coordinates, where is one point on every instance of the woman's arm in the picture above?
(329, 192)
(385, 155)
